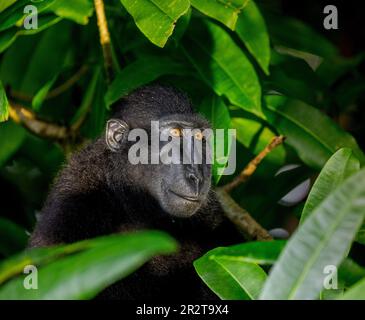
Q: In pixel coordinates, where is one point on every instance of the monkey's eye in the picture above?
(176, 132)
(198, 136)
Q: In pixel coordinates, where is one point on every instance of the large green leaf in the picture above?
(256, 136)
(224, 11)
(234, 272)
(223, 65)
(7, 37)
(251, 29)
(5, 4)
(357, 292)
(12, 136)
(216, 111)
(139, 73)
(293, 33)
(350, 272)
(337, 169)
(156, 18)
(99, 263)
(294, 78)
(76, 10)
(47, 59)
(323, 239)
(310, 132)
(4, 104)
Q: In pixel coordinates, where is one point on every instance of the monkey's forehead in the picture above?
(192, 120)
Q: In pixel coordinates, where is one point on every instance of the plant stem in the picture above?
(104, 38)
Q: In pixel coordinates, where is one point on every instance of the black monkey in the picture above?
(100, 192)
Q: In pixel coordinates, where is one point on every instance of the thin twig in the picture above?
(28, 119)
(241, 218)
(44, 129)
(56, 91)
(249, 170)
(104, 38)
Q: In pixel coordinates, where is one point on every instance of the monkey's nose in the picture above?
(195, 182)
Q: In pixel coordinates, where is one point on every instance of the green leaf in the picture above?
(361, 235)
(77, 10)
(43, 65)
(233, 272)
(156, 18)
(224, 11)
(12, 237)
(139, 73)
(311, 133)
(99, 263)
(337, 169)
(41, 95)
(256, 136)
(7, 37)
(223, 65)
(4, 104)
(88, 98)
(5, 4)
(12, 136)
(92, 107)
(14, 14)
(323, 239)
(350, 272)
(293, 33)
(357, 292)
(251, 28)
(216, 111)
(294, 78)
(333, 68)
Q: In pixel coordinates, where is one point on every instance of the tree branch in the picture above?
(249, 170)
(28, 119)
(241, 218)
(104, 38)
(250, 228)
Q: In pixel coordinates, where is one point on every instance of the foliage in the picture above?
(243, 70)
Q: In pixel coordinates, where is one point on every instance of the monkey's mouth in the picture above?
(189, 198)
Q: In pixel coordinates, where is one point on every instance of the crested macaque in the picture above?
(101, 192)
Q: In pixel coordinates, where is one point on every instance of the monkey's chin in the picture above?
(180, 207)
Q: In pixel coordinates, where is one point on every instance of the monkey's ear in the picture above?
(116, 132)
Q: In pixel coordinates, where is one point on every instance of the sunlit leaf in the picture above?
(139, 73)
(4, 104)
(357, 292)
(251, 29)
(337, 169)
(324, 239)
(224, 11)
(234, 272)
(94, 265)
(223, 65)
(76, 10)
(156, 19)
(310, 132)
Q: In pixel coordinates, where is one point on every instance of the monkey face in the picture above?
(182, 180)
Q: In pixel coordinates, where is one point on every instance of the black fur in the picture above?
(99, 192)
